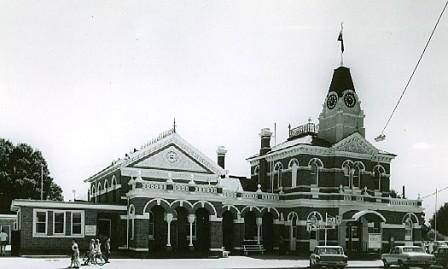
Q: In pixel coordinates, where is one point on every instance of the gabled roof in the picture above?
(168, 140)
(358, 144)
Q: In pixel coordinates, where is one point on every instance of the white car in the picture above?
(329, 257)
(405, 256)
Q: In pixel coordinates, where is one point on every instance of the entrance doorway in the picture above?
(104, 228)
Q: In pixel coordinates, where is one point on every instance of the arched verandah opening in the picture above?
(268, 231)
(363, 231)
(158, 229)
(250, 226)
(181, 230)
(202, 230)
(227, 230)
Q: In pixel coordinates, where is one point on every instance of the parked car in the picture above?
(438, 244)
(406, 256)
(441, 256)
(328, 256)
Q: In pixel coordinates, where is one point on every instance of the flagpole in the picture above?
(342, 45)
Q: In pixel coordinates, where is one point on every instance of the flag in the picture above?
(342, 41)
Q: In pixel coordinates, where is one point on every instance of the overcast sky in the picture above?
(87, 81)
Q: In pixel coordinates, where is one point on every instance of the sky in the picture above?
(87, 81)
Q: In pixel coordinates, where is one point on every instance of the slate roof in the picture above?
(341, 81)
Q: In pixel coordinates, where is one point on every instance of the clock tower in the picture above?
(341, 114)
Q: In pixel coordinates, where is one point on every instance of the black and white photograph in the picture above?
(219, 134)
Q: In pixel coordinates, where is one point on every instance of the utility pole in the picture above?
(435, 219)
(41, 181)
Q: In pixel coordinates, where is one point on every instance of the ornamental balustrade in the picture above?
(302, 130)
(216, 191)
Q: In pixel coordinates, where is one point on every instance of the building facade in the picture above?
(326, 184)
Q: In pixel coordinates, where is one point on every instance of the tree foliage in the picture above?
(442, 220)
(20, 175)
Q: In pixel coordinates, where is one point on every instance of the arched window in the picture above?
(378, 173)
(315, 165)
(357, 171)
(277, 176)
(347, 167)
(408, 229)
(256, 170)
(99, 188)
(131, 216)
(106, 185)
(93, 193)
(294, 166)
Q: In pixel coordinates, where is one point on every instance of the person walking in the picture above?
(106, 254)
(98, 253)
(3, 242)
(75, 255)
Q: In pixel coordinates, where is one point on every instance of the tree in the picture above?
(20, 175)
(442, 220)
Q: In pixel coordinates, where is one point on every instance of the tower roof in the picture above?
(341, 81)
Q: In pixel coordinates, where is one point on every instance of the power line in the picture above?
(433, 193)
(381, 137)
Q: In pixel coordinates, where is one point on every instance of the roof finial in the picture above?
(342, 43)
(174, 124)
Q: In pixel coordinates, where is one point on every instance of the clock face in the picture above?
(350, 99)
(332, 100)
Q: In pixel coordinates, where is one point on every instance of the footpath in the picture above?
(237, 262)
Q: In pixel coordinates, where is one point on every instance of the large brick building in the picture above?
(325, 184)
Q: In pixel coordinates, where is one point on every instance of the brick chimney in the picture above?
(221, 152)
(265, 135)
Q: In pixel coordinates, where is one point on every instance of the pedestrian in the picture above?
(106, 254)
(3, 242)
(98, 253)
(75, 255)
(90, 255)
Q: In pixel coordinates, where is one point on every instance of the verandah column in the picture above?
(191, 219)
(259, 222)
(169, 219)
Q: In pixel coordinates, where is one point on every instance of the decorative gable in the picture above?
(357, 144)
(171, 152)
(171, 158)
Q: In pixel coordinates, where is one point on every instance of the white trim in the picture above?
(82, 222)
(35, 233)
(65, 205)
(63, 222)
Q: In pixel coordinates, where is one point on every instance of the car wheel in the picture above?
(386, 265)
(401, 265)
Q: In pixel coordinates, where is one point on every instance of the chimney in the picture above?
(265, 135)
(404, 192)
(221, 152)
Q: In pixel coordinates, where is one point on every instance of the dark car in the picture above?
(329, 257)
(441, 255)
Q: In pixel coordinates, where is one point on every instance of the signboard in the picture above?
(90, 230)
(375, 241)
